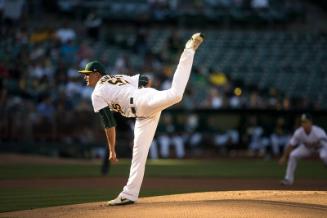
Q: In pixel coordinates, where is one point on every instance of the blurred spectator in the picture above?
(154, 154)
(85, 53)
(215, 99)
(122, 65)
(141, 42)
(286, 103)
(280, 137)
(3, 111)
(67, 52)
(2, 4)
(44, 124)
(273, 98)
(12, 10)
(255, 100)
(39, 57)
(3, 94)
(4, 73)
(158, 9)
(257, 142)
(65, 33)
(174, 44)
(168, 136)
(40, 87)
(226, 140)
(260, 4)
(193, 134)
(93, 25)
(67, 6)
(199, 85)
(45, 109)
(223, 140)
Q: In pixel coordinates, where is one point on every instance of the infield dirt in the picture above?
(206, 204)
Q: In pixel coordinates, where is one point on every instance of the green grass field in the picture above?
(34, 197)
(226, 168)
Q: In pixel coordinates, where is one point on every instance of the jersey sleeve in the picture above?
(107, 118)
(295, 140)
(98, 102)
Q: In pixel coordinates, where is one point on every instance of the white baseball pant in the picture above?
(149, 103)
(300, 152)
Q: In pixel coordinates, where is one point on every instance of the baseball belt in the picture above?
(131, 102)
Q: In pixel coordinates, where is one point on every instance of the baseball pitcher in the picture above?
(309, 139)
(120, 93)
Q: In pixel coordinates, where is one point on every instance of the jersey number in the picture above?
(114, 80)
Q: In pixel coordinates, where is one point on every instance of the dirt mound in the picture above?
(207, 204)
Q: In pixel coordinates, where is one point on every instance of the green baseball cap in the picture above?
(93, 67)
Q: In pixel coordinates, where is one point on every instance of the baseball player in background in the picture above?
(120, 93)
(309, 139)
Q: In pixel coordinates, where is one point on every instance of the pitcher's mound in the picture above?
(207, 204)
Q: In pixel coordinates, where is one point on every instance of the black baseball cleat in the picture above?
(120, 201)
(195, 41)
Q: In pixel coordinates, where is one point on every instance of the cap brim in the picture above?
(85, 71)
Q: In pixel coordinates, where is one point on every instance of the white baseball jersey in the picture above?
(315, 139)
(115, 92)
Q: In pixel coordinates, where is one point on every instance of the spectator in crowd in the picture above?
(158, 9)
(193, 134)
(45, 123)
(93, 25)
(13, 10)
(226, 140)
(2, 3)
(3, 102)
(122, 65)
(174, 44)
(222, 139)
(256, 100)
(260, 4)
(280, 137)
(154, 154)
(141, 42)
(65, 33)
(37, 59)
(168, 136)
(257, 142)
(215, 99)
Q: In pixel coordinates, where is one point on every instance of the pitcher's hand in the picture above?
(113, 157)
